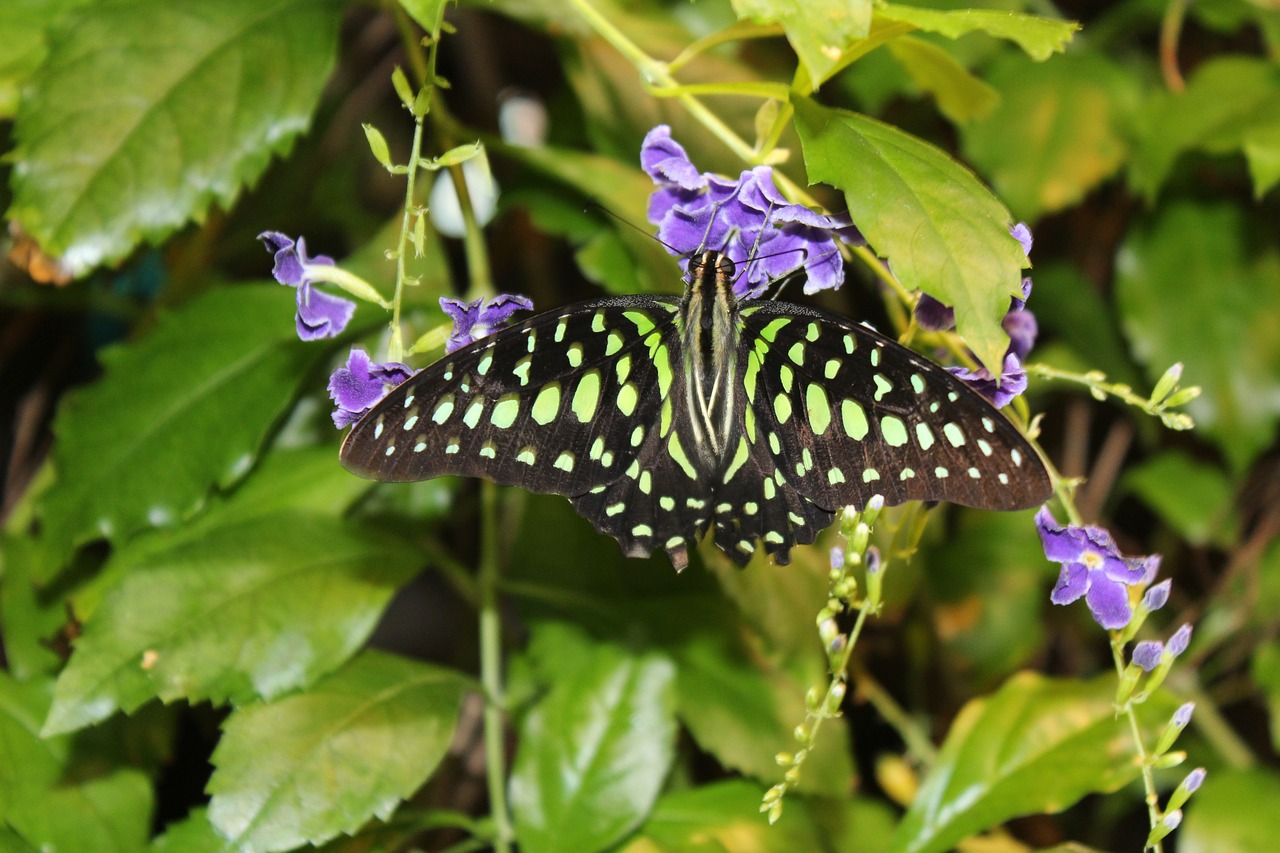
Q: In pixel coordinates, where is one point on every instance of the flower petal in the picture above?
(1108, 600)
(321, 315)
(1060, 543)
(1073, 582)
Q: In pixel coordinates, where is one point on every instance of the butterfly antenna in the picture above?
(627, 222)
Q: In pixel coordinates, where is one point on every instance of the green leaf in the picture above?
(1036, 745)
(1039, 37)
(316, 764)
(1058, 131)
(961, 96)
(176, 122)
(28, 620)
(426, 12)
(742, 709)
(942, 230)
(178, 412)
(819, 33)
(594, 752)
(1191, 288)
(1230, 104)
(719, 817)
(250, 609)
(990, 585)
(1262, 151)
(109, 813)
(23, 32)
(54, 797)
(303, 481)
(1233, 813)
(192, 834)
(1193, 497)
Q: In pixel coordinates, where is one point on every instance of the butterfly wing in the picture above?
(568, 402)
(856, 414)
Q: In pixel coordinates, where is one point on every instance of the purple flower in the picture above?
(319, 314)
(1182, 716)
(837, 558)
(1013, 380)
(1194, 780)
(1091, 567)
(359, 385)
(873, 560)
(1157, 596)
(1147, 654)
(481, 317)
(1022, 234)
(1179, 641)
(748, 220)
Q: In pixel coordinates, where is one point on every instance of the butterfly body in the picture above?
(661, 418)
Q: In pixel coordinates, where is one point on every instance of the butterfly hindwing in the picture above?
(856, 414)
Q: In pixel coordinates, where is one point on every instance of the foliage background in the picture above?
(174, 512)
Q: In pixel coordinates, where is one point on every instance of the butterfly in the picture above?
(663, 417)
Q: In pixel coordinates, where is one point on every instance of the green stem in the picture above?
(1148, 777)
(395, 348)
(917, 741)
(491, 669)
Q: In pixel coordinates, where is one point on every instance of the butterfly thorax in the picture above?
(711, 329)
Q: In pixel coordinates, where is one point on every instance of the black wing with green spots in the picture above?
(660, 418)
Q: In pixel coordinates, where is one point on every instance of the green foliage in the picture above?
(215, 639)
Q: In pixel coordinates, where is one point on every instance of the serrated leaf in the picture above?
(961, 96)
(109, 813)
(1190, 288)
(1233, 813)
(253, 608)
(302, 481)
(1228, 102)
(55, 799)
(182, 410)
(1040, 38)
(594, 752)
(192, 834)
(177, 123)
(23, 28)
(941, 230)
(1036, 745)
(819, 33)
(1058, 131)
(28, 620)
(317, 764)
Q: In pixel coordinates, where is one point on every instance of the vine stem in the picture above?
(490, 577)
(1148, 777)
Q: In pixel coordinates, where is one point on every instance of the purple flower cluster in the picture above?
(319, 314)
(481, 317)
(747, 219)
(1019, 324)
(1093, 567)
(358, 386)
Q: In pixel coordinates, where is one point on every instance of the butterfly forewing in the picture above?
(847, 413)
(547, 405)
